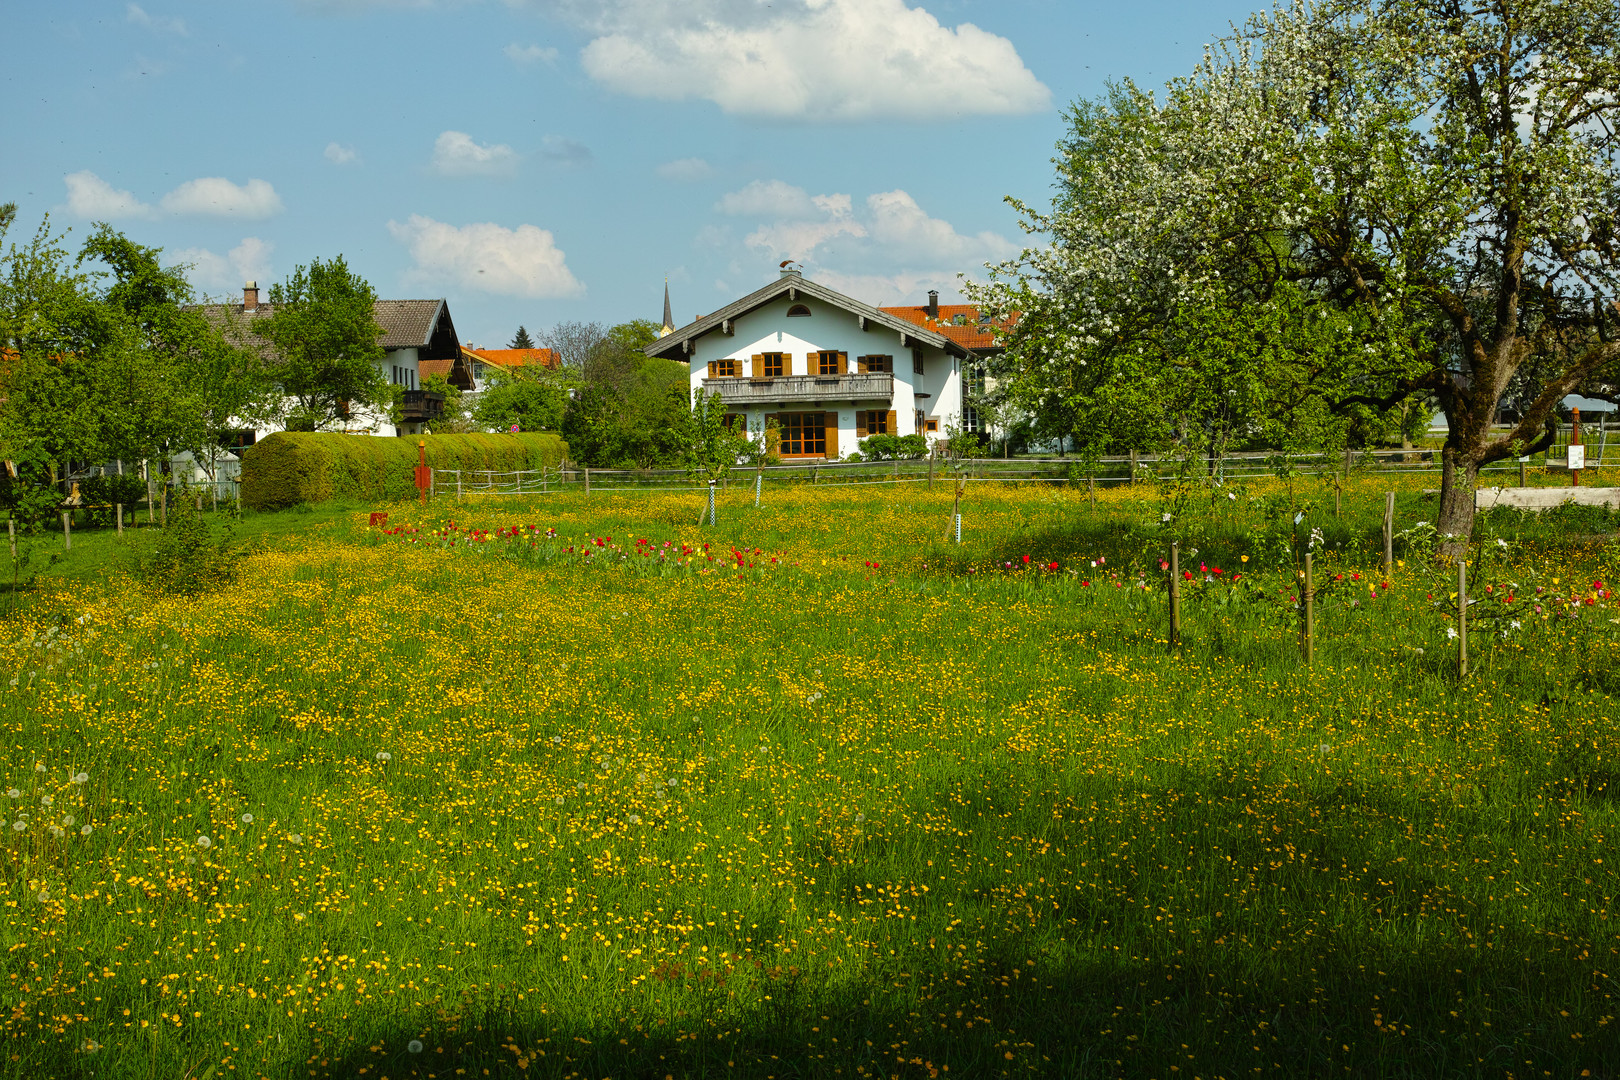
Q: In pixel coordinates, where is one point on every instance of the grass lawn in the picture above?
(578, 788)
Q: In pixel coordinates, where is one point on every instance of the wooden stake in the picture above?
(1462, 619)
(1133, 466)
(118, 512)
(1337, 492)
(587, 479)
(1522, 469)
(67, 530)
(11, 531)
(1308, 614)
(1389, 533)
(1175, 595)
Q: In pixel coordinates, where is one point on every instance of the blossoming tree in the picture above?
(1345, 208)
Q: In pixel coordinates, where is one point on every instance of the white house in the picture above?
(415, 333)
(830, 370)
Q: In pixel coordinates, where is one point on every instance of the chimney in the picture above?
(933, 303)
(250, 296)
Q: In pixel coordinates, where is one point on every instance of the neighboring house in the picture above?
(828, 369)
(472, 368)
(963, 324)
(416, 333)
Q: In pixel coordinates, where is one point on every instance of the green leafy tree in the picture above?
(456, 418)
(712, 448)
(629, 410)
(521, 340)
(1348, 208)
(324, 337)
(534, 399)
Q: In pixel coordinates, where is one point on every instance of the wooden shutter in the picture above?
(892, 430)
(711, 369)
(831, 421)
(860, 423)
(759, 365)
(843, 363)
(860, 365)
(787, 363)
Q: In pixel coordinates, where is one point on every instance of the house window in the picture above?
(916, 362)
(772, 365)
(804, 434)
(874, 422)
(877, 365)
(798, 311)
(959, 320)
(724, 369)
(933, 425)
(829, 363)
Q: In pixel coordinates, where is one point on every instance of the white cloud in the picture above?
(89, 196)
(556, 150)
(768, 198)
(456, 154)
(901, 251)
(487, 257)
(530, 54)
(211, 273)
(816, 60)
(216, 196)
(340, 154)
(136, 15)
(685, 170)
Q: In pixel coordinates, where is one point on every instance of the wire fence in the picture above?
(465, 484)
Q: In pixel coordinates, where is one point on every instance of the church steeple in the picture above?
(669, 316)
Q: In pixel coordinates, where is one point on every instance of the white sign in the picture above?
(1577, 457)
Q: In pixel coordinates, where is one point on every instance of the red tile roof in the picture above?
(972, 332)
(509, 358)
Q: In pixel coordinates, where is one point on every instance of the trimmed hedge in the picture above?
(290, 467)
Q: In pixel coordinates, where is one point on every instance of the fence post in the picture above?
(1133, 466)
(118, 512)
(67, 530)
(1308, 613)
(1389, 533)
(1524, 461)
(1462, 618)
(1175, 592)
(956, 507)
(587, 479)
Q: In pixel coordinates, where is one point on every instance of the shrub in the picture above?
(187, 559)
(101, 493)
(288, 468)
(889, 447)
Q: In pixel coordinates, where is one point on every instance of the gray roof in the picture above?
(407, 324)
(675, 346)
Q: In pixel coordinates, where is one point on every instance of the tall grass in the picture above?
(843, 800)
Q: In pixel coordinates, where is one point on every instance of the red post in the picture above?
(1576, 458)
(424, 475)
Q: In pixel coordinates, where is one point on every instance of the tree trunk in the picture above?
(1459, 479)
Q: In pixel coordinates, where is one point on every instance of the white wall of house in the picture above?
(398, 367)
(832, 329)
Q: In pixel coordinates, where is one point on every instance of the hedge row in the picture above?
(289, 467)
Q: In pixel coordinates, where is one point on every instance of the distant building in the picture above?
(668, 327)
(828, 369)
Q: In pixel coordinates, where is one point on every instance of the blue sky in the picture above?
(545, 160)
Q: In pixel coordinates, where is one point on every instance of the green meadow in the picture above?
(576, 787)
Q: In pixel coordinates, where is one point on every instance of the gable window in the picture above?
(803, 434)
(830, 363)
(798, 311)
(876, 364)
(724, 369)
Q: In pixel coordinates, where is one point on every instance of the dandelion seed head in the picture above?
(414, 1046)
(204, 842)
(247, 819)
(384, 756)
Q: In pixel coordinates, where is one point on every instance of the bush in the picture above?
(101, 493)
(294, 467)
(187, 560)
(889, 447)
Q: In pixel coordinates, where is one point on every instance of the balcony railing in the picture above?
(747, 391)
(418, 405)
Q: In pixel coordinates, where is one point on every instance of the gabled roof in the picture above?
(406, 324)
(511, 358)
(975, 333)
(677, 346)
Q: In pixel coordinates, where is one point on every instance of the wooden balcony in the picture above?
(420, 405)
(790, 388)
